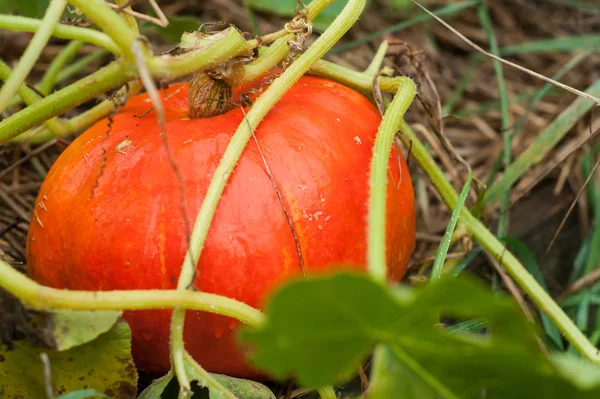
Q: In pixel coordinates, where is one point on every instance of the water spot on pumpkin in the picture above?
(358, 140)
(338, 119)
(316, 215)
(320, 227)
(232, 324)
(302, 187)
(219, 332)
(327, 218)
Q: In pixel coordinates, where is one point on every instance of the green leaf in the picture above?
(287, 8)
(27, 8)
(442, 251)
(177, 25)
(65, 329)
(319, 330)
(104, 365)
(167, 387)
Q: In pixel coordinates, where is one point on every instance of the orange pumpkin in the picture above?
(108, 215)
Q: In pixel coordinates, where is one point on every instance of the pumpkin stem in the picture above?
(211, 89)
(208, 96)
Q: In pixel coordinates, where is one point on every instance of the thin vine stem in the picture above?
(261, 107)
(74, 125)
(279, 49)
(61, 31)
(57, 64)
(376, 253)
(129, 19)
(44, 298)
(110, 22)
(31, 54)
(375, 65)
(54, 126)
(104, 79)
(498, 250)
(214, 50)
(116, 74)
(78, 65)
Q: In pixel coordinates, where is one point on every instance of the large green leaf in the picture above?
(319, 330)
(104, 364)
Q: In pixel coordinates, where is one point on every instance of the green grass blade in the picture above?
(486, 23)
(518, 248)
(582, 5)
(549, 137)
(556, 44)
(442, 250)
(466, 261)
(468, 326)
(446, 11)
(462, 86)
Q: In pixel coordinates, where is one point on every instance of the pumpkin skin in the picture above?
(108, 216)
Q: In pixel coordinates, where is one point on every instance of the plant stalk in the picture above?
(104, 79)
(44, 298)
(498, 250)
(376, 253)
(31, 54)
(110, 22)
(54, 126)
(91, 36)
(238, 142)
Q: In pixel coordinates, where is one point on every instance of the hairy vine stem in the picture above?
(238, 142)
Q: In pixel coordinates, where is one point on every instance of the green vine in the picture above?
(379, 165)
(238, 142)
(61, 31)
(44, 298)
(31, 54)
